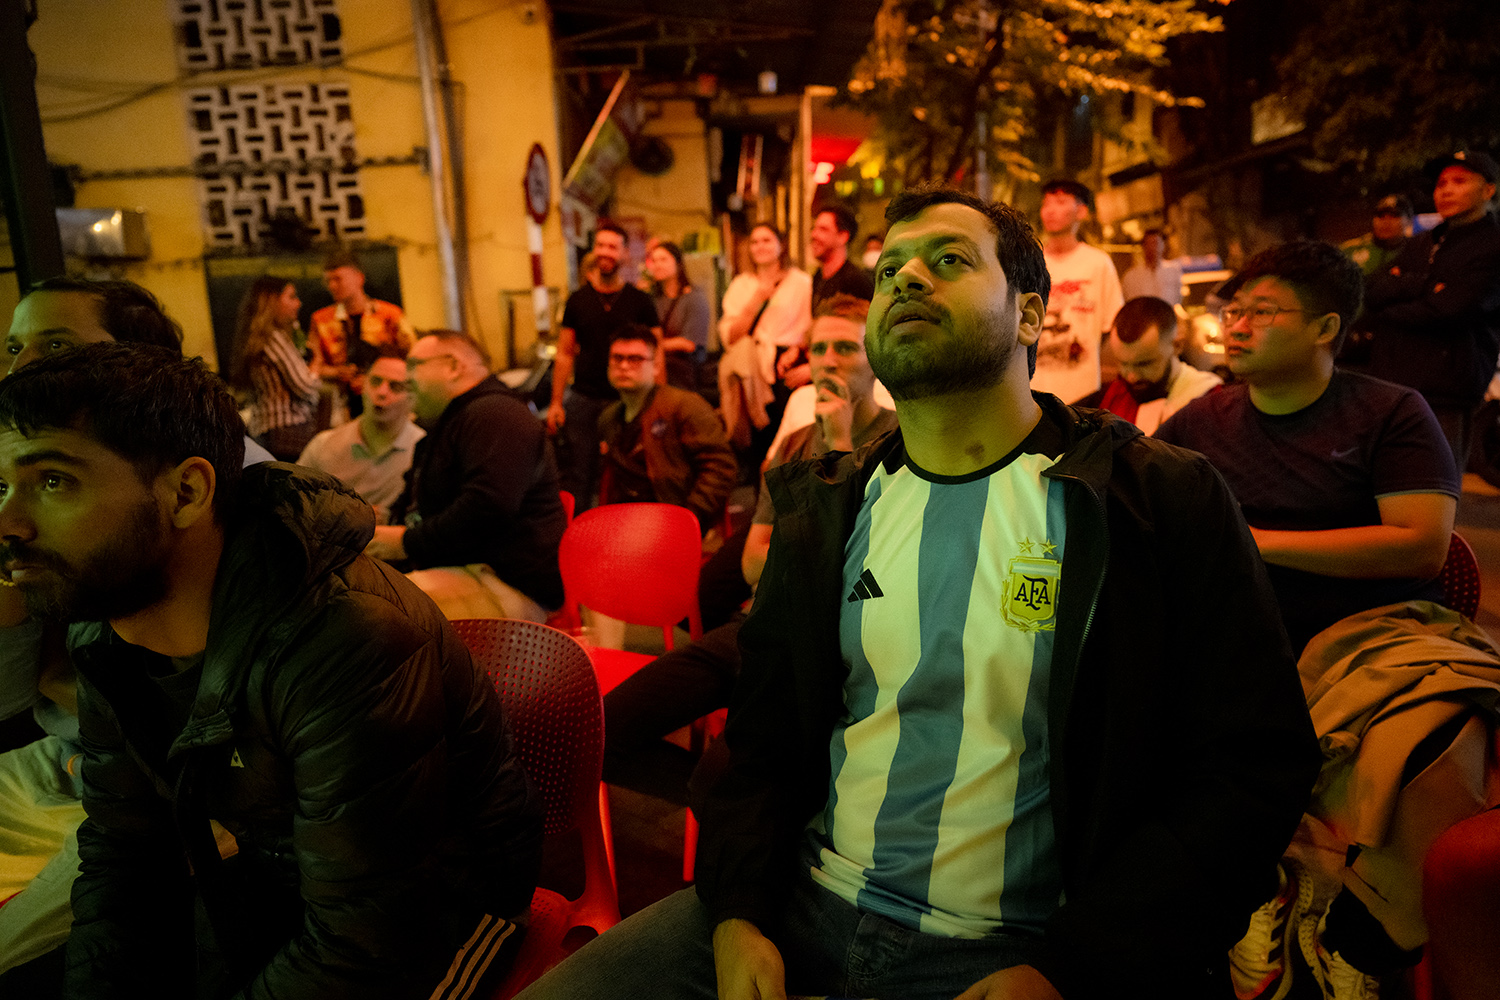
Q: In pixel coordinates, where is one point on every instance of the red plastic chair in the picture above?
(551, 700)
(568, 504)
(1459, 578)
(637, 562)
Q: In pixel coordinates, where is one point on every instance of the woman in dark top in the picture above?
(684, 315)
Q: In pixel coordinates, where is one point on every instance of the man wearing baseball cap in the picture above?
(1389, 231)
(1433, 314)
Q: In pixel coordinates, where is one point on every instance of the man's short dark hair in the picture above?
(610, 226)
(844, 306)
(634, 332)
(128, 312)
(1324, 279)
(149, 405)
(341, 256)
(843, 217)
(1153, 232)
(1016, 245)
(1061, 185)
(1141, 314)
(383, 352)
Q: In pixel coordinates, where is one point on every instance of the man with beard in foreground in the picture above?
(281, 736)
(1017, 717)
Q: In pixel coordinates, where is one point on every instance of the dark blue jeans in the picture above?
(830, 949)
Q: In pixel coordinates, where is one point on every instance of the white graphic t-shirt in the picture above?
(1085, 297)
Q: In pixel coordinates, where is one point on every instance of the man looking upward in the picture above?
(38, 855)
(973, 714)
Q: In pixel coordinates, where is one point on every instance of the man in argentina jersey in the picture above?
(946, 699)
(1017, 717)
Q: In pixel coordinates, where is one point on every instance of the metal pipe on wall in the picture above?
(446, 159)
(23, 157)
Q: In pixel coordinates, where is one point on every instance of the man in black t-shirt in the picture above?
(1346, 480)
(833, 228)
(601, 306)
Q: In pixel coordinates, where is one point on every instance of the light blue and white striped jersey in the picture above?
(938, 814)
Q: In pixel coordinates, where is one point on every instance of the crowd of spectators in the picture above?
(1029, 646)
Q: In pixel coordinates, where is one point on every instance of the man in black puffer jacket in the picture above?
(274, 725)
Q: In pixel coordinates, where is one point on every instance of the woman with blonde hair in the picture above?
(268, 365)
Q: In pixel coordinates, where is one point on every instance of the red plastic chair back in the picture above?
(551, 699)
(637, 562)
(568, 504)
(546, 683)
(1459, 578)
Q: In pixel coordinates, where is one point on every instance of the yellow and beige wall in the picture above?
(500, 54)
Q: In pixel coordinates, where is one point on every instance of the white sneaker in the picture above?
(1259, 959)
(1339, 979)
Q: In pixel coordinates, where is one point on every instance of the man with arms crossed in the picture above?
(974, 750)
(274, 726)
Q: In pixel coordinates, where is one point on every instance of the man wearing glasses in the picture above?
(371, 453)
(1345, 480)
(480, 520)
(660, 443)
(1350, 490)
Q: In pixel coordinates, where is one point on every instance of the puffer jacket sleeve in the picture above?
(386, 785)
(133, 898)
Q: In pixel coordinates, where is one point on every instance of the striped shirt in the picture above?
(938, 815)
(286, 390)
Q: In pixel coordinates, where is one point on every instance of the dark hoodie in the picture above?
(340, 733)
(484, 483)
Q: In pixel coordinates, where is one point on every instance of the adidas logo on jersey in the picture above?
(865, 588)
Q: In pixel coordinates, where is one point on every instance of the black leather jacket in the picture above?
(340, 733)
(1182, 753)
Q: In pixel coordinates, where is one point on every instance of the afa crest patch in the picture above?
(1030, 602)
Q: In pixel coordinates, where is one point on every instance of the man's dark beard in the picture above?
(1145, 392)
(126, 575)
(953, 366)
